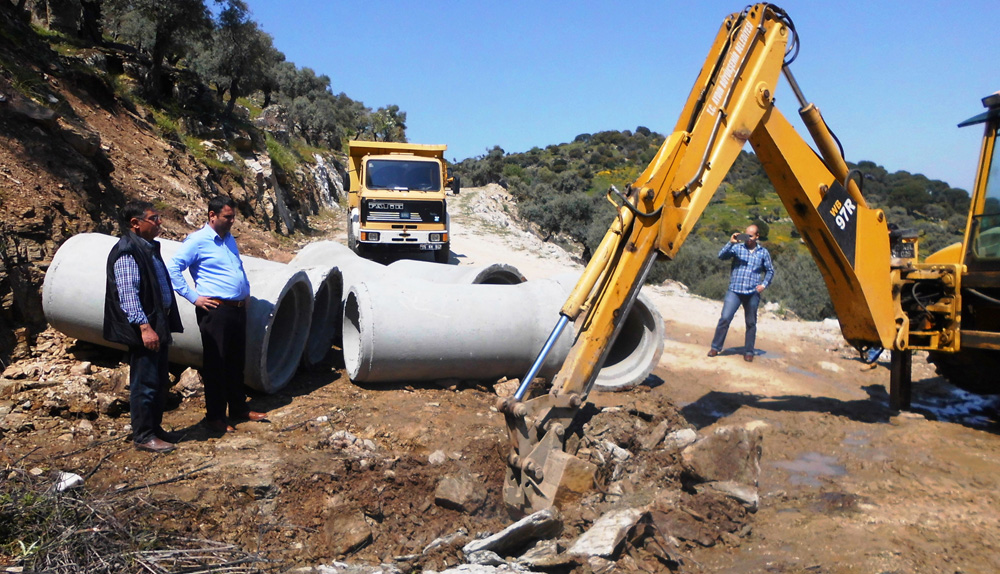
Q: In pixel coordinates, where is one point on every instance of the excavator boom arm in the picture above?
(730, 104)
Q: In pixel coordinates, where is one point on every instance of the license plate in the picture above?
(430, 247)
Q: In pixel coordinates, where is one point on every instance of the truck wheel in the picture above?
(443, 255)
(972, 370)
(352, 241)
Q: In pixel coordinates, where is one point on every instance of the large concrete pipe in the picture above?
(637, 348)
(278, 322)
(352, 268)
(277, 318)
(493, 274)
(324, 329)
(73, 295)
(418, 331)
(347, 268)
(332, 253)
(421, 331)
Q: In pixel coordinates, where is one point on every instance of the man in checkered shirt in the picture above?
(752, 273)
(140, 312)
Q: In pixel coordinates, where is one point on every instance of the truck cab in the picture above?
(398, 198)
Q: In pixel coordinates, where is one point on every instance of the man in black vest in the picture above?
(140, 312)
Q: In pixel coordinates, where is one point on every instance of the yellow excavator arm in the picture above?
(731, 103)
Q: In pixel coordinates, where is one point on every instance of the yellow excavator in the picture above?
(885, 298)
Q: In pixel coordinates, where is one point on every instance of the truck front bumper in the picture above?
(405, 238)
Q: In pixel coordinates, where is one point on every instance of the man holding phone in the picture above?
(752, 272)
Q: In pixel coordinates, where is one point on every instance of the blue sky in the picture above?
(893, 79)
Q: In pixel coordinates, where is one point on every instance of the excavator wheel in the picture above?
(972, 370)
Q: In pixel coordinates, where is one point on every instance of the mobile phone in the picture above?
(742, 237)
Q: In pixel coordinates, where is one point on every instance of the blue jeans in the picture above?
(148, 384)
(730, 304)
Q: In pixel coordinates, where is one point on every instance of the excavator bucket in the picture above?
(544, 474)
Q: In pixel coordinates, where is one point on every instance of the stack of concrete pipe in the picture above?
(420, 321)
(409, 321)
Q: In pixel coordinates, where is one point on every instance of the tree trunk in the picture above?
(234, 92)
(154, 82)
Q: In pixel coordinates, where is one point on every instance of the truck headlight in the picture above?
(435, 237)
(369, 236)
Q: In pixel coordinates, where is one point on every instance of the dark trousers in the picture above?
(732, 302)
(148, 382)
(223, 339)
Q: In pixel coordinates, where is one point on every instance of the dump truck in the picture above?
(398, 198)
(885, 297)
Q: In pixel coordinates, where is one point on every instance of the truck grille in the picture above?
(402, 211)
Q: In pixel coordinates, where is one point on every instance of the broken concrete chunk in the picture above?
(190, 384)
(653, 438)
(463, 492)
(743, 493)
(541, 525)
(478, 569)
(679, 439)
(730, 453)
(460, 536)
(606, 534)
(485, 558)
(345, 531)
(600, 565)
(543, 554)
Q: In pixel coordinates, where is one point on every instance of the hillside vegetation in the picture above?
(105, 101)
(561, 191)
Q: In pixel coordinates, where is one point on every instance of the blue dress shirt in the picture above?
(215, 265)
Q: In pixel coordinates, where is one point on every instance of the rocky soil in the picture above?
(798, 465)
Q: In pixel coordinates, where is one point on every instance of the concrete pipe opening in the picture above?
(281, 309)
(636, 351)
(325, 327)
(352, 339)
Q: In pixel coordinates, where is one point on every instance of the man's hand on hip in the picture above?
(206, 303)
(760, 289)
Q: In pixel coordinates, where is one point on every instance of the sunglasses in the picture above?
(153, 219)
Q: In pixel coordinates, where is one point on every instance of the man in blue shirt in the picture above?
(221, 294)
(140, 312)
(750, 261)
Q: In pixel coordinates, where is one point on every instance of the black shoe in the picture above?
(712, 353)
(173, 437)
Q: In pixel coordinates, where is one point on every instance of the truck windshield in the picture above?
(403, 175)
(986, 230)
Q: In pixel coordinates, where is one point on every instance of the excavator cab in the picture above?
(983, 253)
(974, 363)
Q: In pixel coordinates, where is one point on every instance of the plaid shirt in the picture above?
(127, 278)
(747, 267)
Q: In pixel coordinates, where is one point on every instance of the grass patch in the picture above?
(281, 156)
(305, 151)
(255, 110)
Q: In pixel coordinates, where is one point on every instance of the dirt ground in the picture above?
(347, 472)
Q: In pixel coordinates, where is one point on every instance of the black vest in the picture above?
(117, 329)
